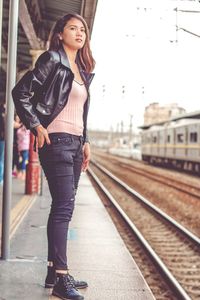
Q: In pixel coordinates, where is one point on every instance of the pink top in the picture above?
(70, 119)
(23, 138)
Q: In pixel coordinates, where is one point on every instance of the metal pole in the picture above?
(1, 15)
(11, 77)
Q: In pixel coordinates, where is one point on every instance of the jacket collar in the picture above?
(65, 61)
(63, 57)
(87, 77)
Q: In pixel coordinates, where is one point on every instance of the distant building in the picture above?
(155, 113)
(111, 139)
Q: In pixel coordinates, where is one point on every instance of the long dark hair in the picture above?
(85, 54)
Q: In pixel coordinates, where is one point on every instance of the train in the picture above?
(174, 143)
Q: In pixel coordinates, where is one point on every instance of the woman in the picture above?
(52, 100)
(15, 162)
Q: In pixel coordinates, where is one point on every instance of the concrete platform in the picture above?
(97, 254)
(18, 189)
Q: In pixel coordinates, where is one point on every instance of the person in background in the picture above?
(23, 143)
(2, 141)
(53, 101)
(15, 163)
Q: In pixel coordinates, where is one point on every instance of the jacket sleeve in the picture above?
(27, 85)
(86, 137)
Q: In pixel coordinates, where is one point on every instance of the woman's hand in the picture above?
(86, 156)
(42, 136)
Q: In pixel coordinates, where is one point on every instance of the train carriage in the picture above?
(174, 143)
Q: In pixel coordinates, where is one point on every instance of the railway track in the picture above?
(172, 182)
(173, 248)
(186, 188)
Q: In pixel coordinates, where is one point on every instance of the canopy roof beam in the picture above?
(28, 27)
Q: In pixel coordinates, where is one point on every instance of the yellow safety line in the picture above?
(19, 212)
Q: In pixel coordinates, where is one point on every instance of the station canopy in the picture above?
(192, 116)
(36, 18)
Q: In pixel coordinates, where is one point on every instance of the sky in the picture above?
(139, 51)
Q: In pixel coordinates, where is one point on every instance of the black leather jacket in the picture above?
(41, 94)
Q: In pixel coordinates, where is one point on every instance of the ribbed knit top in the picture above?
(70, 119)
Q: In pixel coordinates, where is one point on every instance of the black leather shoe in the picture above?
(65, 289)
(79, 284)
(51, 280)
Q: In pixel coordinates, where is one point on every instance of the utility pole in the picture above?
(176, 9)
(130, 128)
(103, 90)
(122, 128)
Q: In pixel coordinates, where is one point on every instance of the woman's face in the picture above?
(73, 35)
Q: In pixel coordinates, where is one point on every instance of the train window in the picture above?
(168, 138)
(155, 139)
(193, 137)
(180, 138)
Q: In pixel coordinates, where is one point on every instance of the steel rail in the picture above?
(169, 219)
(152, 176)
(178, 289)
(161, 179)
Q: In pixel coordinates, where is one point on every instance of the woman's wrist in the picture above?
(39, 127)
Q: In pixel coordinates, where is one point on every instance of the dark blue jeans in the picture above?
(61, 162)
(24, 159)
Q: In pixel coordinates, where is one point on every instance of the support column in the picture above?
(33, 169)
(1, 20)
(11, 77)
(35, 54)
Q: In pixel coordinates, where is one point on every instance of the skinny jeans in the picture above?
(61, 162)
